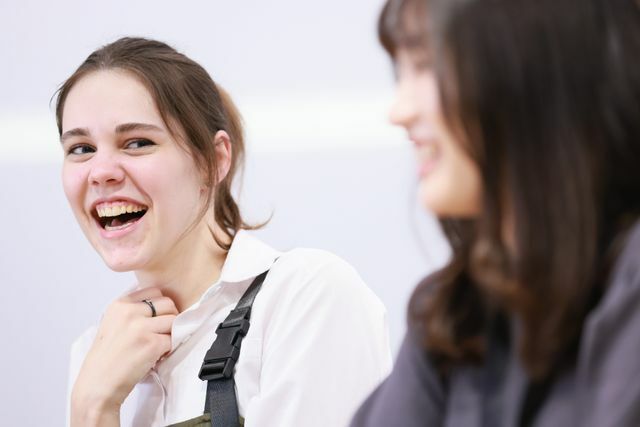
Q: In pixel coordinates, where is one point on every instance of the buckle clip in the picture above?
(221, 358)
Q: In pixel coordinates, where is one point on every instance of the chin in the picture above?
(443, 205)
(432, 200)
(121, 264)
(450, 210)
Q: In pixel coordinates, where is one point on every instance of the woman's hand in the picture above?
(128, 344)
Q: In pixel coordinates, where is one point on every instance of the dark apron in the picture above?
(203, 420)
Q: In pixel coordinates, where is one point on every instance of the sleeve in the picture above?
(79, 350)
(325, 348)
(609, 364)
(412, 396)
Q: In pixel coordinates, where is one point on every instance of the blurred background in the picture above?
(314, 87)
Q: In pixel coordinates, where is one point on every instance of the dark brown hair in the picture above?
(546, 98)
(186, 96)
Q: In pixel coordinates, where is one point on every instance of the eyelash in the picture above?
(87, 149)
(145, 143)
(72, 150)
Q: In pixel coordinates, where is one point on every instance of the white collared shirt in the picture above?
(318, 344)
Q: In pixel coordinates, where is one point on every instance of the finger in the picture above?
(165, 344)
(161, 305)
(154, 346)
(144, 293)
(160, 324)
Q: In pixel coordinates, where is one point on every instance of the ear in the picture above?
(222, 144)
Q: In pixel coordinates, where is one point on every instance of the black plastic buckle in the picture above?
(222, 356)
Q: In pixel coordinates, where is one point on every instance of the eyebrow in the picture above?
(128, 127)
(123, 128)
(74, 132)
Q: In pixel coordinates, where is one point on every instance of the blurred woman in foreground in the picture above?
(525, 116)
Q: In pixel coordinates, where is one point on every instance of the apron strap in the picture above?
(219, 362)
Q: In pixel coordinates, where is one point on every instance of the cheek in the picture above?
(190, 192)
(471, 182)
(431, 97)
(175, 187)
(454, 189)
(73, 180)
(464, 186)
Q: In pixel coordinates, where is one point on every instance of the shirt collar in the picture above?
(247, 258)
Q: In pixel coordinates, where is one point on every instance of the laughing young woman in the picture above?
(151, 148)
(525, 116)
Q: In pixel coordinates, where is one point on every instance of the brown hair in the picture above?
(546, 95)
(185, 95)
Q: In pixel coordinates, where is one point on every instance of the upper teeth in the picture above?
(118, 210)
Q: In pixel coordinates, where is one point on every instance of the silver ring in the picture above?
(151, 306)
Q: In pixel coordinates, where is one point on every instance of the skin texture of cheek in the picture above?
(174, 198)
(74, 180)
(453, 189)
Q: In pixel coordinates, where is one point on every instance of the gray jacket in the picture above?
(602, 389)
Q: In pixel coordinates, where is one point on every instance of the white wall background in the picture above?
(313, 86)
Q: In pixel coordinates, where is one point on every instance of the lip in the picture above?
(425, 167)
(426, 162)
(115, 234)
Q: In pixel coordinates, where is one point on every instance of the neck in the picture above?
(189, 270)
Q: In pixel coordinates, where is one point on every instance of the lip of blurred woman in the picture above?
(427, 154)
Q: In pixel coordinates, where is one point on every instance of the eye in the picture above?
(416, 65)
(80, 149)
(138, 143)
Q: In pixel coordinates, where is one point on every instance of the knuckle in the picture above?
(168, 302)
(117, 310)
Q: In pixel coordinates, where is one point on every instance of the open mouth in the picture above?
(118, 216)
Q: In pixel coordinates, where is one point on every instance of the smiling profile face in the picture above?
(449, 180)
(134, 190)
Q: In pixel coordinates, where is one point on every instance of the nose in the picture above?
(403, 110)
(106, 169)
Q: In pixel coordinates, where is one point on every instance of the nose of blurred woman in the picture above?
(403, 111)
